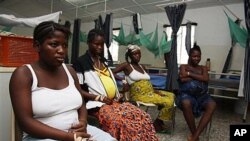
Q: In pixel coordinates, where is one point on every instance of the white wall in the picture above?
(212, 34)
(5, 105)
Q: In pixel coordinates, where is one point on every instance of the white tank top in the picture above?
(56, 108)
(136, 75)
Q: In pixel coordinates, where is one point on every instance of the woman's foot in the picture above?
(190, 138)
(159, 126)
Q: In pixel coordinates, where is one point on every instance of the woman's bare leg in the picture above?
(188, 115)
(205, 119)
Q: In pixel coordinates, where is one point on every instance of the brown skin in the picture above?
(200, 73)
(50, 72)
(96, 48)
(126, 68)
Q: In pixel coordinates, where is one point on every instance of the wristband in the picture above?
(97, 98)
(188, 73)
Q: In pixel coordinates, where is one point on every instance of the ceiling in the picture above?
(89, 10)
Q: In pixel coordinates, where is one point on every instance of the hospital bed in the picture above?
(226, 87)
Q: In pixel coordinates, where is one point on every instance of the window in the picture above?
(182, 55)
(114, 48)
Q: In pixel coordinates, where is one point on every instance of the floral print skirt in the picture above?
(143, 91)
(126, 122)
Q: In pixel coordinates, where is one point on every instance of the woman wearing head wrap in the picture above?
(141, 88)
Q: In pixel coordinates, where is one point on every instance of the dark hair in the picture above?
(46, 29)
(129, 51)
(195, 48)
(93, 33)
(128, 54)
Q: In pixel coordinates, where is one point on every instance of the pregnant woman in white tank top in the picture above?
(46, 95)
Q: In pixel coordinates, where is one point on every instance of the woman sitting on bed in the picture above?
(194, 97)
(140, 87)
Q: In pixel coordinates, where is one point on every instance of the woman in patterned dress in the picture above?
(123, 121)
(141, 89)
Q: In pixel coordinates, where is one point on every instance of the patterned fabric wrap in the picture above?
(197, 93)
(143, 91)
(127, 122)
(194, 88)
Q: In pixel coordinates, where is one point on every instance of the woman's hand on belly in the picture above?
(80, 129)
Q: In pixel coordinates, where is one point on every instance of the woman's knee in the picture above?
(211, 106)
(186, 104)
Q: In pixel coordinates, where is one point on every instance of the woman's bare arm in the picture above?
(120, 68)
(20, 94)
(201, 77)
(183, 74)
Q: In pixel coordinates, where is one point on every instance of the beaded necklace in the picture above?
(98, 68)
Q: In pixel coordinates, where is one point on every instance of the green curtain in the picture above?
(131, 38)
(145, 41)
(165, 46)
(238, 34)
(6, 28)
(83, 37)
(152, 46)
(121, 36)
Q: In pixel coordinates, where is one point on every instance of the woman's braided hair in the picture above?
(94, 33)
(46, 29)
(195, 48)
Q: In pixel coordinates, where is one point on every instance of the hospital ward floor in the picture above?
(224, 116)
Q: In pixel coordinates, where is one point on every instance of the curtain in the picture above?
(137, 22)
(175, 15)
(228, 60)
(67, 24)
(188, 37)
(98, 23)
(6, 29)
(108, 31)
(246, 89)
(76, 40)
(233, 42)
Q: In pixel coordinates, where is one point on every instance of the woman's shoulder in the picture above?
(124, 65)
(22, 73)
(70, 68)
(22, 70)
(183, 65)
(204, 68)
